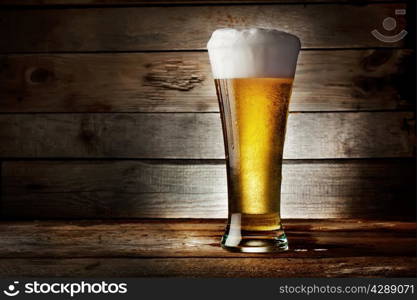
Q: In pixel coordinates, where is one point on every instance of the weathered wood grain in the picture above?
(331, 248)
(197, 136)
(182, 82)
(167, 238)
(210, 267)
(189, 28)
(173, 2)
(149, 189)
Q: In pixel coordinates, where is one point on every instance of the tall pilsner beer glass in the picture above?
(253, 71)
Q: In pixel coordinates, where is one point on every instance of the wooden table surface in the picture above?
(190, 248)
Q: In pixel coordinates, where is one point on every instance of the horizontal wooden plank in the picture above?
(307, 238)
(339, 248)
(189, 28)
(210, 267)
(172, 2)
(140, 189)
(197, 136)
(182, 82)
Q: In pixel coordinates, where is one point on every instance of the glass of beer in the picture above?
(253, 71)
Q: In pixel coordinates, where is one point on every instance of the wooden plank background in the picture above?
(151, 189)
(109, 111)
(141, 28)
(199, 136)
(352, 80)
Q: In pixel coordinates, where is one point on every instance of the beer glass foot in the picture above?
(256, 242)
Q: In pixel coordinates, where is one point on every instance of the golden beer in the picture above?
(254, 121)
(254, 113)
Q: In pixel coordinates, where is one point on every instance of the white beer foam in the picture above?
(253, 52)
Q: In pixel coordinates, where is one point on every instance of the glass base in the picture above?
(256, 241)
